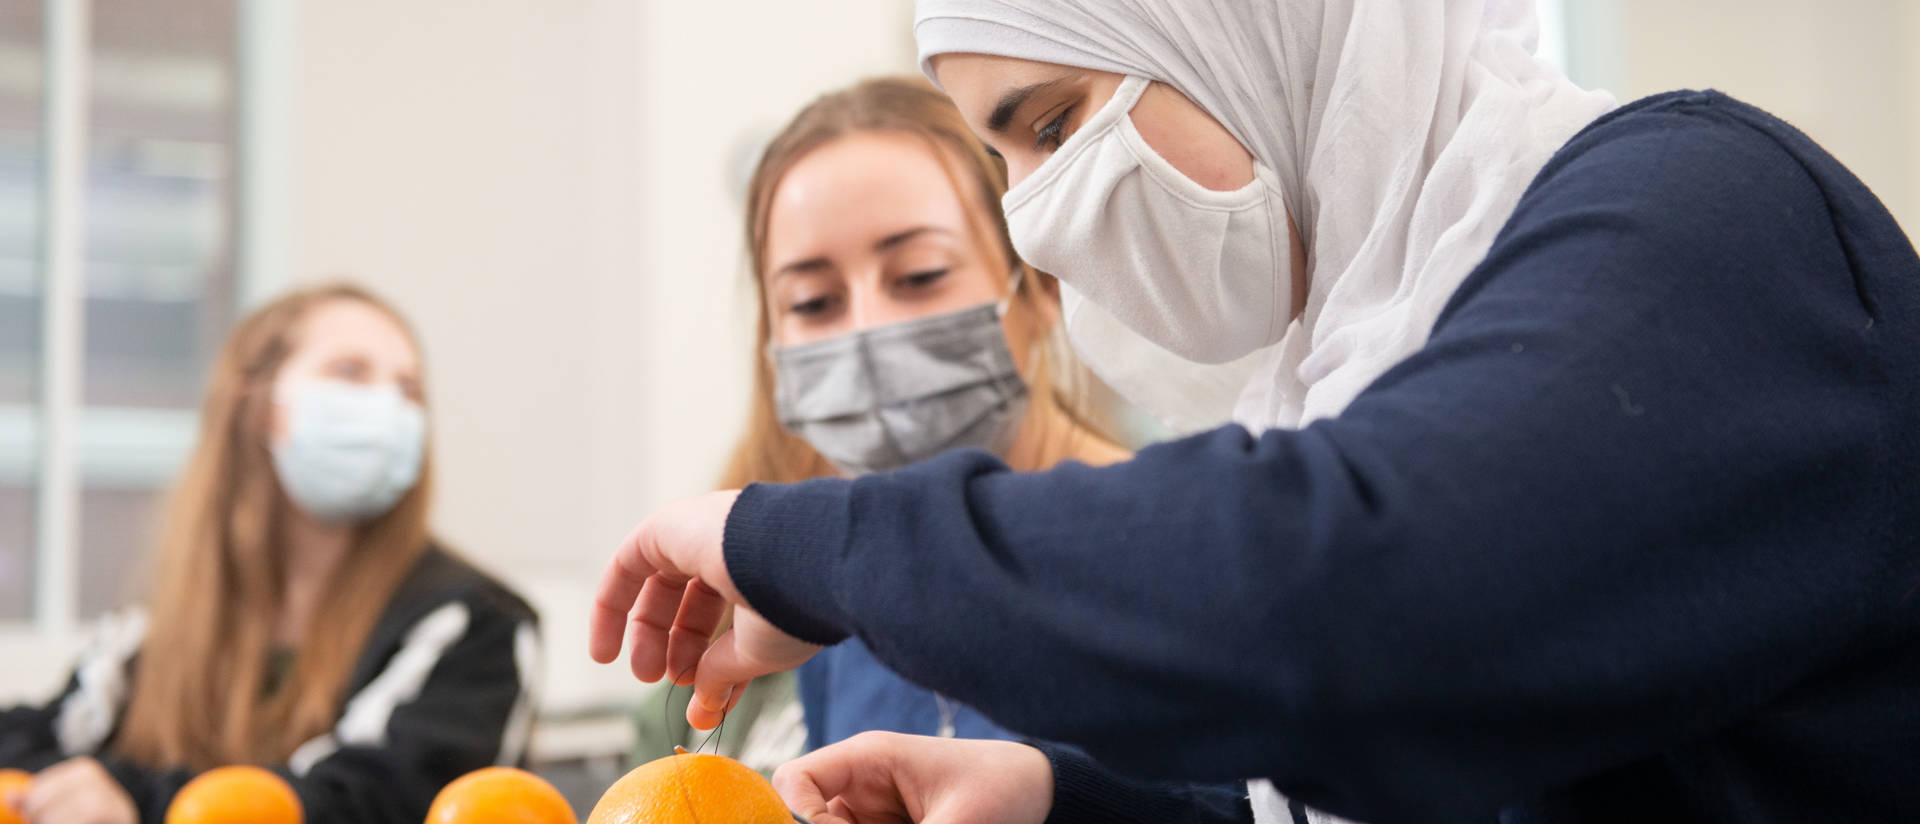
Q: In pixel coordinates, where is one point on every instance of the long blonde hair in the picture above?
(767, 452)
(198, 695)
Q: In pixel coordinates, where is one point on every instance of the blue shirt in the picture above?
(1634, 537)
(845, 691)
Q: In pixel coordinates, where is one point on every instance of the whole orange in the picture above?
(12, 782)
(685, 788)
(235, 795)
(500, 795)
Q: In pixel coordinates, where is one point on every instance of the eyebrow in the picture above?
(815, 264)
(797, 267)
(897, 238)
(1011, 102)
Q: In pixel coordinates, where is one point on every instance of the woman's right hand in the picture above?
(882, 776)
(664, 594)
(77, 791)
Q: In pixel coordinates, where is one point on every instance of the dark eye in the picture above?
(353, 370)
(816, 306)
(1054, 133)
(921, 280)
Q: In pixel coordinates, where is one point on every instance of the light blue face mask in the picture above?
(885, 397)
(351, 451)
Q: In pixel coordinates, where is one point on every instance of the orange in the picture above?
(688, 789)
(500, 795)
(235, 795)
(12, 782)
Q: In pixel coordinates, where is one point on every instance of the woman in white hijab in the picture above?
(1572, 478)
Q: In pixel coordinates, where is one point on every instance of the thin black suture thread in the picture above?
(666, 705)
(679, 768)
(715, 735)
(666, 714)
(666, 717)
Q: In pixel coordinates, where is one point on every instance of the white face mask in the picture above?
(1205, 274)
(351, 451)
(1185, 397)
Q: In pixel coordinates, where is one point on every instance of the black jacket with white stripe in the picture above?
(443, 686)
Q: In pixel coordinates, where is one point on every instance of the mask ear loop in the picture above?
(1000, 309)
(1006, 301)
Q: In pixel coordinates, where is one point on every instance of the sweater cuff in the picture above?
(783, 545)
(1086, 793)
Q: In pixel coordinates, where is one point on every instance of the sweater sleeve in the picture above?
(455, 697)
(28, 737)
(86, 713)
(1635, 486)
(1086, 793)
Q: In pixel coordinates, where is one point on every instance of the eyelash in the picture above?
(920, 280)
(820, 305)
(1054, 132)
(811, 307)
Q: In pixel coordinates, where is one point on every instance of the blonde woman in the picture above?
(302, 617)
(895, 323)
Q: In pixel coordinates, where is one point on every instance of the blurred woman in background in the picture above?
(895, 323)
(302, 616)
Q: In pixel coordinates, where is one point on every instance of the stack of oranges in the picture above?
(683, 788)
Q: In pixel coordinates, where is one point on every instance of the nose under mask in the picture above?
(885, 397)
(1207, 275)
(351, 451)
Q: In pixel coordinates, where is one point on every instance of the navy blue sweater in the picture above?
(1634, 537)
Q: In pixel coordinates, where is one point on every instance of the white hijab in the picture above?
(1403, 134)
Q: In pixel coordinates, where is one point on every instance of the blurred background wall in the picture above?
(550, 189)
(1845, 71)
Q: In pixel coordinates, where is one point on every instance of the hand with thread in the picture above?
(664, 594)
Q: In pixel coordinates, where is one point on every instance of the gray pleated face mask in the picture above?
(885, 397)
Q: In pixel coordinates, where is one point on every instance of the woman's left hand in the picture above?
(666, 591)
(77, 791)
(883, 776)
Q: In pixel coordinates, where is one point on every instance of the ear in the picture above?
(275, 415)
(1046, 295)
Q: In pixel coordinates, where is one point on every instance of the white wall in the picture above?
(545, 186)
(443, 155)
(1846, 73)
(1909, 68)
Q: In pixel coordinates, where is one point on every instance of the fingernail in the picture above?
(720, 708)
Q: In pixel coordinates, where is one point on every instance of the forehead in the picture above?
(343, 326)
(860, 188)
